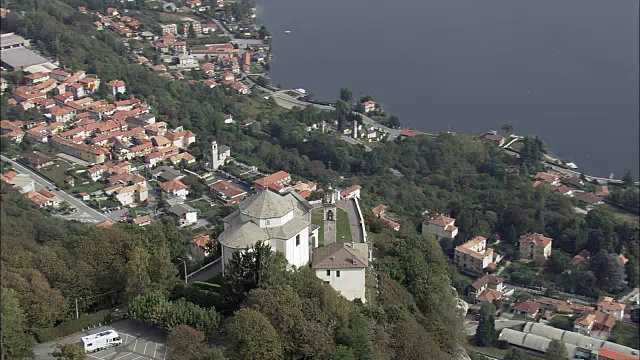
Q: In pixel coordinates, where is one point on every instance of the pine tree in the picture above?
(485, 332)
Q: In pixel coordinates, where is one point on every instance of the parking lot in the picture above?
(139, 342)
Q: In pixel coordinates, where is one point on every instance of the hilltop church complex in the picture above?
(284, 222)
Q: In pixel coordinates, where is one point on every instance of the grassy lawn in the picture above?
(316, 218)
(622, 215)
(56, 172)
(343, 230)
(370, 283)
(626, 334)
(88, 188)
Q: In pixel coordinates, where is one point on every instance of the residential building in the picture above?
(580, 258)
(588, 199)
(441, 226)
(227, 193)
(240, 88)
(43, 198)
(116, 87)
(185, 156)
(209, 28)
(473, 256)
(494, 137)
(609, 306)
(369, 106)
(535, 247)
(351, 192)
(142, 220)
(184, 214)
(405, 133)
(487, 281)
(169, 29)
(21, 182)
(596, 320)
(166, 173)
(200, 245)
(175, 188)
(548, 178)
(380, 212)
(37, 160)
(276, 182)
(343, 266)
(129, 195)
(528, 308)
(282, 221)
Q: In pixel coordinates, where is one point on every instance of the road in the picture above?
(208, 273)
(93, 215)
(353, 141)
(289, 102)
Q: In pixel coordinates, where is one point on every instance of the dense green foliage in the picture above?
(486, 330)
(556, 351)
(16, 344)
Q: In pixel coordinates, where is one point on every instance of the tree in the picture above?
(192, 31)
(507, 128)
(137, 272)
(247, 270)
(556, 351)
(253, 336)
(485, 332)
(186, 343)
(263, 32)
(69, 352)
(557, 262)
(16, 344)
(393, 122)
(609, 271)
(516, 354)
(346, 94)
(627, 179)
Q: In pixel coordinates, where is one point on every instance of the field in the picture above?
(343, 230)
(623, 215)
(626, 334)
(316, 218)
(56, 172)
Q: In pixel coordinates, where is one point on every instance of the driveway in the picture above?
(139, 342)
(91, 214)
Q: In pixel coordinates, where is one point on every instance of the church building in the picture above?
(282, 221)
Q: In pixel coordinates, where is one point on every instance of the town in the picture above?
(83, 148)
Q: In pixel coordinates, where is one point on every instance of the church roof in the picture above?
(243, 236)
(266, 205)
(338, 256)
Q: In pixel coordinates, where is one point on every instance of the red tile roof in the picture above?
(537, 239)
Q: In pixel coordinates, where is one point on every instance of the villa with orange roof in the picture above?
(200, 245)
(609, 306)
(176, 188)
(535, 247)
(441, 226)
(275, 182)
(473, 256)
(227, 193)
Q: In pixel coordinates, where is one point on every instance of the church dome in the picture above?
(266, 205)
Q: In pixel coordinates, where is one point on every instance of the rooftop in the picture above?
(265, 205)
(339, 256)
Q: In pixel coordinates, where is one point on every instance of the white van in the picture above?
(101, 341)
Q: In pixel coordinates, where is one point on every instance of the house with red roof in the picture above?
(535, 247)
(116, 87)
(201, 245)
(405, 133)
(227, 193)
(473, 256)
(351, 192)
(528, 308)
(276, 181)
(175, 188)
(441, 226)
(552, 179)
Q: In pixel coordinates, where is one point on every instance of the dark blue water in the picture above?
(566, 70)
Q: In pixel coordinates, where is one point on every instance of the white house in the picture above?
(282, 221)
(441, 226)
(184, 214)
(116, 87)
(608, 306)
(343, 266)
(176, 188)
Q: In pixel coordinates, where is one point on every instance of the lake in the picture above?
(565, 70)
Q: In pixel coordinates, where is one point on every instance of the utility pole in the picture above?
(184, 261)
